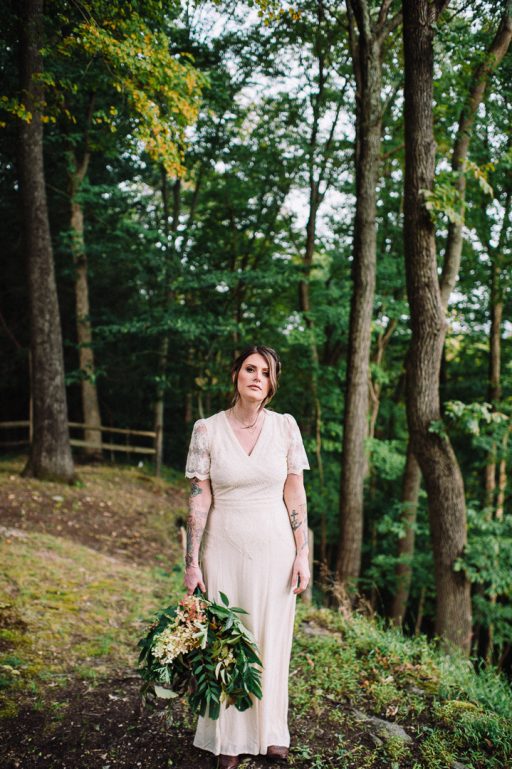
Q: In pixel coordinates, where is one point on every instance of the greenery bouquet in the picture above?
(202, 649)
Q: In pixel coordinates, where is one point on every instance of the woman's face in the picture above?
(254, 378)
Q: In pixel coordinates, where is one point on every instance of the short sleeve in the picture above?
(198, 458)
(296, 457)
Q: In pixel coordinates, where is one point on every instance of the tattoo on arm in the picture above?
(196, 523)
(295, 523)
(195, 489)
(298, 517)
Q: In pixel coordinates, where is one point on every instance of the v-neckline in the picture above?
(233, 434)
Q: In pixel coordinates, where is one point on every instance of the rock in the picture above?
(384, 729)
(311, 628)
(458, 765)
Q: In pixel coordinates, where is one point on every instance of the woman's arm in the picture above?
(199, 503)
(296, 504)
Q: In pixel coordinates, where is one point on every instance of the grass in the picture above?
(452, 711)
(71, 610)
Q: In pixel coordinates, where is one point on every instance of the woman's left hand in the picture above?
(300, 573)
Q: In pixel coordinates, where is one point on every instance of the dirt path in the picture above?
(102, 728)
(94, 719)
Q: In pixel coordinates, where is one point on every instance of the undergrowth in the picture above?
(68, 611)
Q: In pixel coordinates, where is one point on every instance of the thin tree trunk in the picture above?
(435, 455)
(316, 175)
(494, 56)
(495, 491)
(163, 353)
(366, 44)
(403, 570)
(89, 392)
(50, 453)
(375, 389)
(419, 616)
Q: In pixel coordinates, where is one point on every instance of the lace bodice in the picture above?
(283, 433)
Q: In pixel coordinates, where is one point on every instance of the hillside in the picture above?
(83, 568)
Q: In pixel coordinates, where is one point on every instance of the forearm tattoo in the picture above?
(294, 518)
(298, 521)
(196, 523)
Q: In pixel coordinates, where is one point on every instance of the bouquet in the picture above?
(202, 649)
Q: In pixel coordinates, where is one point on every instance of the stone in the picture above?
(384, 729)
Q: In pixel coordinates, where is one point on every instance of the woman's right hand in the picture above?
(193, 579)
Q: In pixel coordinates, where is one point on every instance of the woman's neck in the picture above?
(246, 411)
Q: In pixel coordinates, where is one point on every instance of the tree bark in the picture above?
(451, 265)
(493, 58)
(50, 453)
(375, 389)
(434, 452)
(89, 392)
(366, 45)
(403, 570)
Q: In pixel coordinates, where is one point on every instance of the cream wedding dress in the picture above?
(247, 552)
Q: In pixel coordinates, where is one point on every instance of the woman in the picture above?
(247, 511)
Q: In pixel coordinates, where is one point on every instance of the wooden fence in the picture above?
(127, 448)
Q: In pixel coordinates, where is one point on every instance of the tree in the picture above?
(451, 265)
(114, 78)
(367, 37)
(50, 453)
(435, 454)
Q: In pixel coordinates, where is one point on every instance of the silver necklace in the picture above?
(245, 427)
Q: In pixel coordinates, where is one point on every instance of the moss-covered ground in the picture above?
(82, 569)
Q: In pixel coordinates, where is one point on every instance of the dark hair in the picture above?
(274, 369)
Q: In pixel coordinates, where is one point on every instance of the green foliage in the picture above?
(162, 88)
(456, 712)
(214, 260)
(225, 667)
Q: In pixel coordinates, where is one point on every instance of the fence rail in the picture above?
(125, 448)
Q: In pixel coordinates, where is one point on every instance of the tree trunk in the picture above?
(90, 404)
(451, 265)
(50, 453)
(434, 452)
(367, 66)
(495, 501)
(494, 56)
(163, 353)
(375, 389)
(403, 570)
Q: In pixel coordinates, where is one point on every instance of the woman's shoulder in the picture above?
(204, 424)
(283, 420)
(285, 417)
